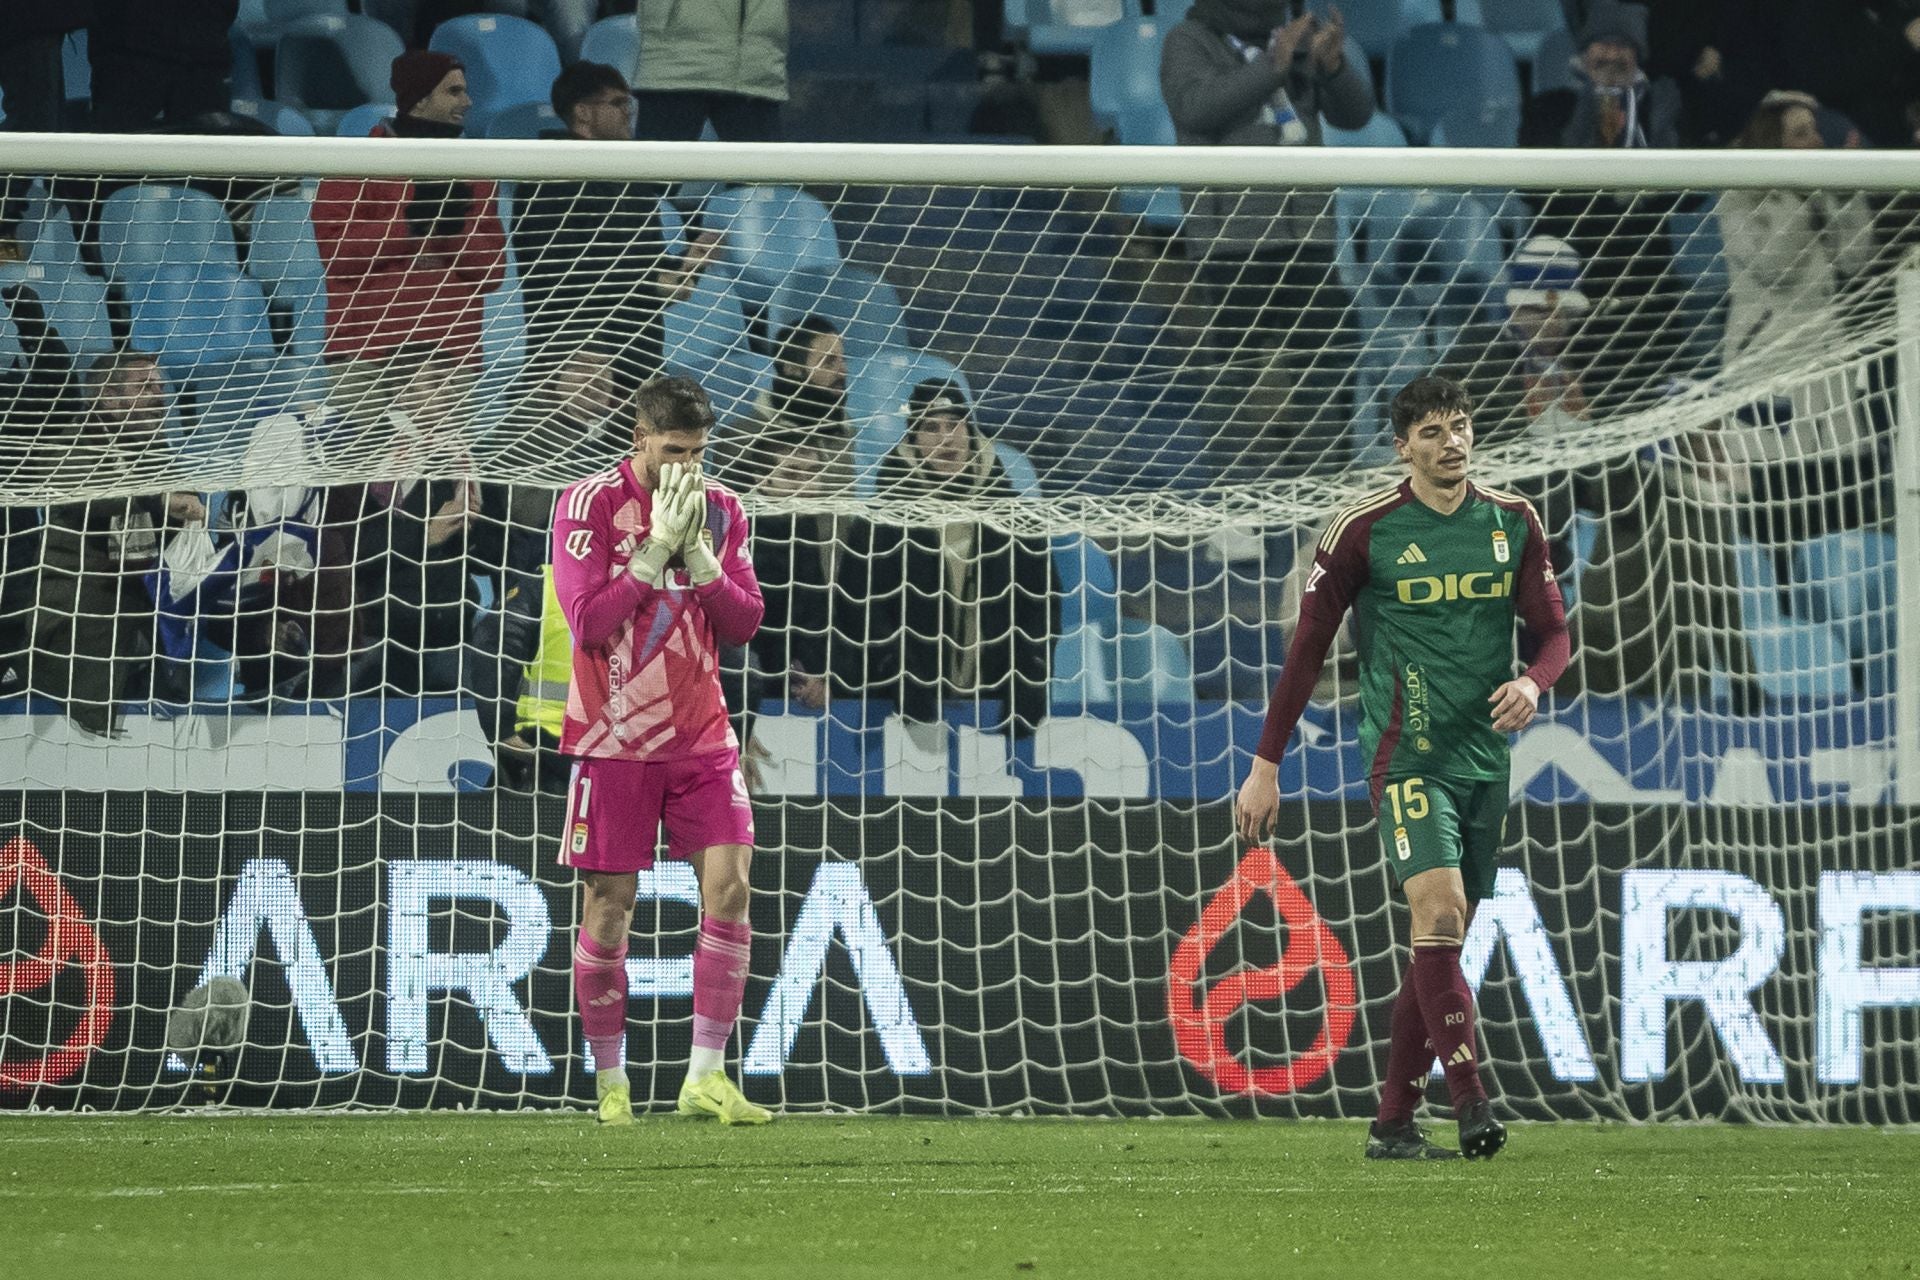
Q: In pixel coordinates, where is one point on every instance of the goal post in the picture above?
(1033, 468)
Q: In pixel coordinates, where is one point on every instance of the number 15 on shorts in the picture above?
(1409, 803)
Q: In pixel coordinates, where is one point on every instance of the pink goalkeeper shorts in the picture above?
(615, 808)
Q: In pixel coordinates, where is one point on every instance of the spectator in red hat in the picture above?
(407, 263)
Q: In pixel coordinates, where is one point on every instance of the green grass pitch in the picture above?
(477, 1196)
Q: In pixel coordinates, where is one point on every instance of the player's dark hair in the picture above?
(1424, 397)
(581, 81)
(674, 404)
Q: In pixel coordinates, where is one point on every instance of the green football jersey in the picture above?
(1434, 600)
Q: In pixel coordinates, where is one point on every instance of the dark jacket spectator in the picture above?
(1722, 55)
(32, 72)
(408, 540)
(159, 61)
(1620, 238)
(1238, 73)
(410, 261)
(593, 257)
(724, 63)
(94, 621)
(418, 598)
(35, 404)
(1617, 105)
(812, 574)
(963, 610)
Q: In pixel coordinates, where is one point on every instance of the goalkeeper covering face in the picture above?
(650, 563)
(1435, 570)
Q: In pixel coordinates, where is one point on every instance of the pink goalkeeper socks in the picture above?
(720, 961)
(600, 989)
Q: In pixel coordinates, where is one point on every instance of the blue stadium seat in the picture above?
(1089, 587)
(864, 307)
(77, 70)
(262, 21)
(1084, 667)
(1376, 24)
(1792, 658)
(74, 301)
(196, 317)
(286, 12)
(1523, 24)
(243, 67)
(878, 388)
(705, 338)
(277, 116)
(1553, 62)
(1144, 122)
(359, 122)
(1440, 67)
(1154, 669)
(282, 255)
(328, 66)
(769, 233)
(1124, 68)
(527, 120)
(509, 61)
(1070, 27)
(48, 231)
(147, 227)
(615, 42)
(1493, 124)
(1700, 270)
(1083, 662)
(1380, 131)
(1851, 579)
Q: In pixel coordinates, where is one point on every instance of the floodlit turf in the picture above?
(478, 1196)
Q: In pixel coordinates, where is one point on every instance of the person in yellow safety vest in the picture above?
(542, 709)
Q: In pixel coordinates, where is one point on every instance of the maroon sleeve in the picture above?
(1541, 609)
(1339, 570)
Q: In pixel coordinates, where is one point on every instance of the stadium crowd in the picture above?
(1292, 310)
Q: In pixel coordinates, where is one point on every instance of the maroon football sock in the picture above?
(1409, 1058)
(1446, 1003)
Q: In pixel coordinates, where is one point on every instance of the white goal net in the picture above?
(1031, 462)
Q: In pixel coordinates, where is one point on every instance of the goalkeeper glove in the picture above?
(702, 565)
(696, 543)
(649, 564)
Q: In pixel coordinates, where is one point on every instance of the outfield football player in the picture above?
(1435, 570)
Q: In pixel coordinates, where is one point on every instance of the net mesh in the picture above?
(279, 460)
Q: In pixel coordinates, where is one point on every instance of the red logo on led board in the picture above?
(1200, 1021)
(70, 940)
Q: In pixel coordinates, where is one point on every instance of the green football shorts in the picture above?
(1444, 822)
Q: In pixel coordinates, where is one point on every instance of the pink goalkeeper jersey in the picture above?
(646, 656)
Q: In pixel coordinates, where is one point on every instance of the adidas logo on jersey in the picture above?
(1460, 1055)
(1412, 555)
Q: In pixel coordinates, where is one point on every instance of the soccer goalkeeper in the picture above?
(1435, 571)
(650, 564)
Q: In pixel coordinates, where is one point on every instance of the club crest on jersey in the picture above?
(579, 841)
(1402, 845)
(579, 542)
(1501, 551)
